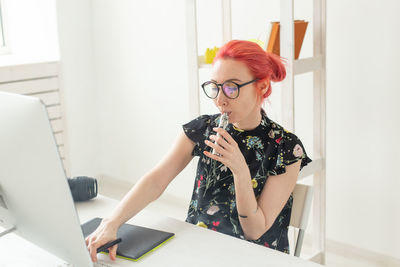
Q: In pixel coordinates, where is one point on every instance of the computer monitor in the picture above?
(34, 192)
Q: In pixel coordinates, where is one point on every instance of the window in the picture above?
(3, 44)
(2, 41)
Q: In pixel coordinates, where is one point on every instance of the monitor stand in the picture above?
(4, 215)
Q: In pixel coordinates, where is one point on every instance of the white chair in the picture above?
(302, 197)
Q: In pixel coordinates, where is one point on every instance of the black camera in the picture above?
(83, 188)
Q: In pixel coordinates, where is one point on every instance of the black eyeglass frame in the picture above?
(220, 87)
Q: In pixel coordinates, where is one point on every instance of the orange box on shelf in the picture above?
(300, 27)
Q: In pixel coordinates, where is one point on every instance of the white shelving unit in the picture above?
(315, 64)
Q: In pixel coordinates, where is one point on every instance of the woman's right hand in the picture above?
(105, 232)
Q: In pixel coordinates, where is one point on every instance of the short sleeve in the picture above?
(198, 130)
(290, 150)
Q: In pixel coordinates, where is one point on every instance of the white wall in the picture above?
(124, 115)
(141, 84)
(363, 180)
(75, 27)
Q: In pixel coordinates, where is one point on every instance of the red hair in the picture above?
(263, 65)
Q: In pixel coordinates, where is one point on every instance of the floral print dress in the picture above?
(267, 149)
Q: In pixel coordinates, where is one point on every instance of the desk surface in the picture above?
(192, 245)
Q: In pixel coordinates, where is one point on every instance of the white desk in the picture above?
(191, 246)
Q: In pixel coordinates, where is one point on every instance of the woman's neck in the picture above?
(249, 123)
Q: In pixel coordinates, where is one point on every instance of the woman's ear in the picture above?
(263, 86)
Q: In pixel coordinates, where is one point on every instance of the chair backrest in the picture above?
(302, 198)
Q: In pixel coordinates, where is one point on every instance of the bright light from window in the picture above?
(2, 40)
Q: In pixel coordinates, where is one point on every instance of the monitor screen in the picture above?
(35, 196)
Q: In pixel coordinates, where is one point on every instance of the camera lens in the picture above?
(83, 188)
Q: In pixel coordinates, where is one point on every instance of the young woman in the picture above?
(244, 189)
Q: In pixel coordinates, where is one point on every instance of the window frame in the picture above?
(4, 42)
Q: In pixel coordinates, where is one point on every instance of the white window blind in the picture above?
(38, 80)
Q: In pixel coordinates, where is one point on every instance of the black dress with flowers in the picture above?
(267, 149)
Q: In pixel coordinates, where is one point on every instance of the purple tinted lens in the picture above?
(230, 90)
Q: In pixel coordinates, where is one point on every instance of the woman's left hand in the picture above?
(228, 150)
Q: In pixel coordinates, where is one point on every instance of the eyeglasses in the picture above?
(230, 89)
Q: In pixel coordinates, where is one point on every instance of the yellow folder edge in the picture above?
(130, 259)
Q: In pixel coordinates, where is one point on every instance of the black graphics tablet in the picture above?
(136, 242)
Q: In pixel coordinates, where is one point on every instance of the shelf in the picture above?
(202, 64)
(313, 167)
(307, 64)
